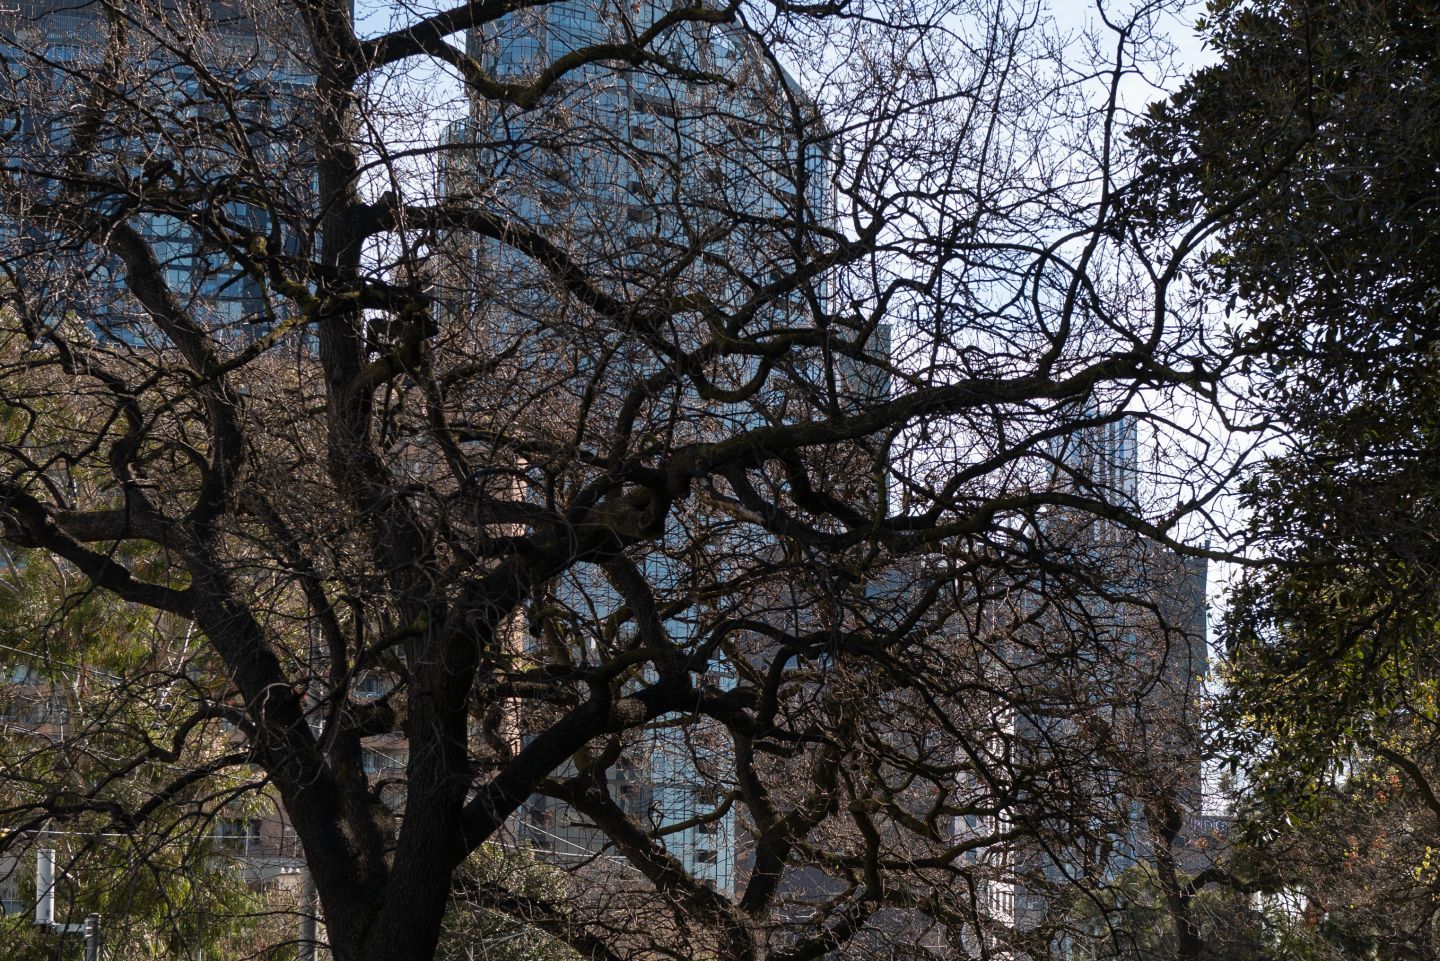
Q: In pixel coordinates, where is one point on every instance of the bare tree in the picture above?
(583, 389)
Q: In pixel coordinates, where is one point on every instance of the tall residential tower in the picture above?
(669, 180)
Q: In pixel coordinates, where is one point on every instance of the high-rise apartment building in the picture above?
(221, 82)
(657, 179)
(1103, 684)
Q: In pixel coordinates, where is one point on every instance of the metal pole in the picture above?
(92, 937)
(307, 916)
(45, 886)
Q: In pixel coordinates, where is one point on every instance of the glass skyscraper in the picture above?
(1113, 663)
(180, 138)
(653, 180)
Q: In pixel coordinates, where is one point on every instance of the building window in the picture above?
(370, 686)
(238, 835)
(380, 762)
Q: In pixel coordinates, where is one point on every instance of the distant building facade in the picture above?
(1113, 677)
(60, 281)
(245, 48)
(632, 167)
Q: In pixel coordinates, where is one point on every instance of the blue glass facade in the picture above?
(653, 181)
(1113, 662)
(179, 134)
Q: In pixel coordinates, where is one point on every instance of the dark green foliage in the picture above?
(1130, 922)
(1315, 140)
(1318, 135)
(78, 663)
(474, 931)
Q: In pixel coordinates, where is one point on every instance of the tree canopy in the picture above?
(578, 398)
(1317, 125)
